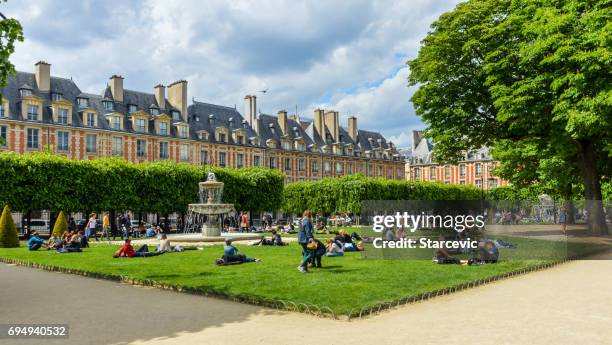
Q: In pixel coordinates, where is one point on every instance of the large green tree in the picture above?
(531, 78)
(10, 33)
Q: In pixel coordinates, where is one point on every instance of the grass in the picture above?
(344, 284)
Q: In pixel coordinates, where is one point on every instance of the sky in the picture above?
(348, 56)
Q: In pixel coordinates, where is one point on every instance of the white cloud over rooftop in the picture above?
(347, 55)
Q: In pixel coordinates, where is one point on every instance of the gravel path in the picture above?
(568, 304)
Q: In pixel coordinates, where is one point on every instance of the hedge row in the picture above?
(44, 181)
(344, 194)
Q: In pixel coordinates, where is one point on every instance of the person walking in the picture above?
(91, 227)
(106, 226)
(304, 236)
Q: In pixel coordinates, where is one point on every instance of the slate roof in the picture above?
(200, 119)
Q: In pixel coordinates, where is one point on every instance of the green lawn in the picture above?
(343, 284)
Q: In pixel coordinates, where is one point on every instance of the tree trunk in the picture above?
(592, 187)
(113, 220)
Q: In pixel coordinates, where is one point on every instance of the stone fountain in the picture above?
(204, 219)
(210, 206)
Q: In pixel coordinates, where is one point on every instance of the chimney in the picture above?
(352, 127)
(250, 111)
(282, 121)
(177, 97)
(116, 86)
(160, 96)
(43, 76)
(319, 124)
(331, 121)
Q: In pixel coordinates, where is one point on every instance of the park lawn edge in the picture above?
(288, 305)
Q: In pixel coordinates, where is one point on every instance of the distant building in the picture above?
(39, 110)
(474, 170)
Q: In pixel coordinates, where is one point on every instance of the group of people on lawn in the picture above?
(69, 241)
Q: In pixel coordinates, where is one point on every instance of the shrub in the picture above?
(61, 225)
(8, 232)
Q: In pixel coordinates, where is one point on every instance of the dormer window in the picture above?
(221, 137)
(183, 131)
(32, 112)
(132, 108)
(108, 105)
(163, 128)
(26, 92)
(154, 111)
(176, 116)
(240, 140)
(196, 118)
(115, 122)
(140, 125)
(56, 96)
(272, 129)
(82, 102)
(62, 116)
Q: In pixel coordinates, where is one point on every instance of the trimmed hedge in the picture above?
(44, 181)
(61, 225)
(8, 232)
(344, 194)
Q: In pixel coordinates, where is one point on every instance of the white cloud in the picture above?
(349, 55)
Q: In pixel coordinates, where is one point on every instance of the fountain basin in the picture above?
(198, 237)
(211, 208)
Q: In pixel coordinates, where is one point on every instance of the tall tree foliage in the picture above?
(10, 33)
(533, 78)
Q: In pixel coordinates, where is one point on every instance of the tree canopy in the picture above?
(531, 78)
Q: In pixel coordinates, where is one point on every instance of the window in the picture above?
(478, 183)
(447, 172)
(2, 110)
(380, 170)
(184, 152)
(221, 137)
(239, 160)
(301, 164)
(141, 148)
(478, 169)
(82, 102)
(273, 162)
(326, 167)
(26, 92)
(32, 138)
(163, 128)
(32, 112)
(108, 105)
(222, 159)
(183, 131)
(3, 136)
(492, 183)
(240, 140)
(370, 170)
(288, 164)
(286, 145)
(56, 96)
(154, 111)
(462, 170)
(90, 119)
(163, 150)
(115, 122)
(90, 143)
(62, 116)
(338, 168)
(176, 116)
(132, 108)
(399, 173)
(204, 157)
(432, 173)
(417, 173)
(256, 161)
(314, 166)
(62, 140)
(117, 146)
(389, 172)
(349, 168)
(141, 125)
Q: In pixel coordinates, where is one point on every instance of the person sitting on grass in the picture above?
(275, 241)
(54, 243)
(35, 242)
(488, 253)
(231, 255)
(66, 236)
(82, 239)
(128, 251)
(333, 248)
(442, 255)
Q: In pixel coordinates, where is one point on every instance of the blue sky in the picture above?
(343, 55)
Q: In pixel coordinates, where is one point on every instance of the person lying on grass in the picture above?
(35, 242)
(165, 246)
(276, 240)
(231, 255)
(128, 251)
